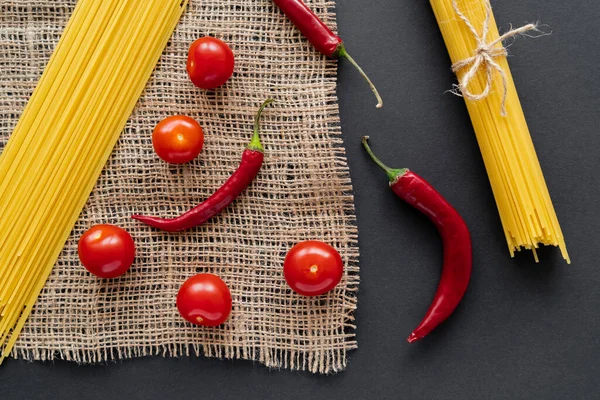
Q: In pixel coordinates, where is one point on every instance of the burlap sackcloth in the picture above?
(303, 192)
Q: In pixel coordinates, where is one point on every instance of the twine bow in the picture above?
(484, 57)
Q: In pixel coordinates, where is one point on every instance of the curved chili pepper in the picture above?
(456, 272)
(324, 40)
(252, 160)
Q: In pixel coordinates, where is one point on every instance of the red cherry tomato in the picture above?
(178, 139)
(312, 268)
(204, 299)
(107, 251)
(210, 62)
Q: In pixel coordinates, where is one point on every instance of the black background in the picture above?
(523, 331)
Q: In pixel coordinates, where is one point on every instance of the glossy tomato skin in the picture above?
(204, 299)
(210, 62)
(178, 139)
(106, 251)
(313, 268)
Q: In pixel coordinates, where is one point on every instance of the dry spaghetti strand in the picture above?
(479, 58)
(65, 135)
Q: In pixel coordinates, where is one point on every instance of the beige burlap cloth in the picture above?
(303, 192)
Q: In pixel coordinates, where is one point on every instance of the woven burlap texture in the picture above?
(303, 192)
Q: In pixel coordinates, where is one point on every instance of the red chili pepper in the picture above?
(456, 272)
(327, 42)
(252, 160)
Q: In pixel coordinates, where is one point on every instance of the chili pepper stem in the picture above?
(393, 174)
(255, 143)
(341, 52)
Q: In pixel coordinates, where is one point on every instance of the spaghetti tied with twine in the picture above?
(484, 57)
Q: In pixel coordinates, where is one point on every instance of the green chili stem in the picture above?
(255, 143)
(393, 174)
(341, 52)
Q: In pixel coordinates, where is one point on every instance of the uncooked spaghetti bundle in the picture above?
(64, 137)
(484, 80)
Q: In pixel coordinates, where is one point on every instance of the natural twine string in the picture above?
(484, 57)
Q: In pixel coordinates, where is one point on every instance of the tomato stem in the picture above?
(393, 174)
(341, 52)
(255, 143)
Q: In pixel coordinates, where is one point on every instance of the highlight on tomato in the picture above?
(178, 139)
(106, 251)
(204, 299)
(210, 62)
(313, 268)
